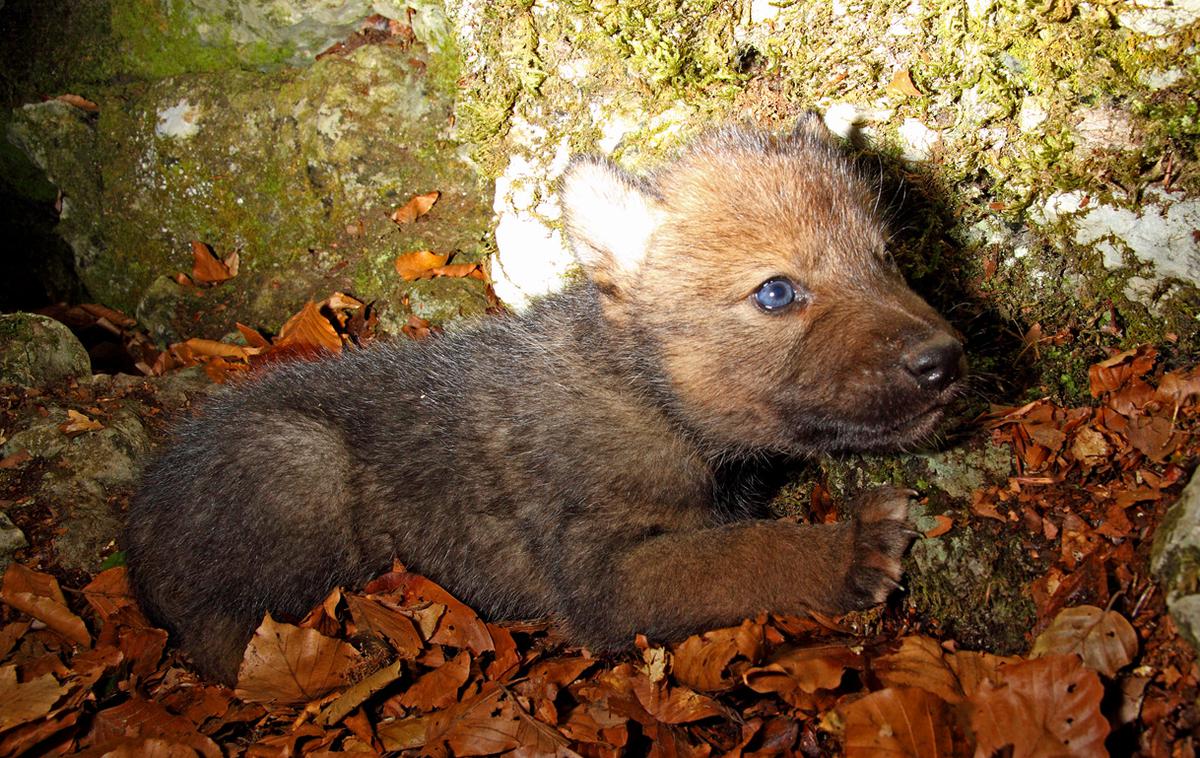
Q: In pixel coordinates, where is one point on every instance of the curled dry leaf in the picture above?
(376, 617)
(674, 704)
(354, 697)
(439, 688)
(1047, 706)
(944, 523)
(287, 664)
(416, 265)
(77, 423)
(37, 595)
(215, 349)
(22, 702)
(1103, 639)
(309, 329)
(78, 101)
(208, 269)
(416, 207)
(806, 669)
(702, 661)
(458, 626)
(900, 722)
(902, 84)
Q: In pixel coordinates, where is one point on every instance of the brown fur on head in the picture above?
(679, 256)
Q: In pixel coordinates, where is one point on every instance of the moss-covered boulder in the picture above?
(37, 350)
(296, 170)
(1175, 561)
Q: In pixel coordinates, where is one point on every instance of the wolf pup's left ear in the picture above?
(609, 216)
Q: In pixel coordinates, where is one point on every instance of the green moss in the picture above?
(972, 584)
(159, 39)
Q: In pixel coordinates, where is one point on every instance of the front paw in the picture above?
(882, 534)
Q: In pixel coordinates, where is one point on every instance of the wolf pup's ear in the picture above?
(609, 216)
(811, 126)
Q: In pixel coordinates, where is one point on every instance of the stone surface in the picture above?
(297, 170)
(37, 350)
(84, 477)
(1175, 560)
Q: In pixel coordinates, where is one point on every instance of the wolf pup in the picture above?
(569, 462)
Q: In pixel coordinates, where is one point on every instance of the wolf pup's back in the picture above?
(563, 462)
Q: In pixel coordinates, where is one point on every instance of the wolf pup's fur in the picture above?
(568, 462)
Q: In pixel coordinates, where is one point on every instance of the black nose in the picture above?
(935, 363)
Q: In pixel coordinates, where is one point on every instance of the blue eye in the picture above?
(775, 294)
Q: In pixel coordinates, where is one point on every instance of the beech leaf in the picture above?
(1047, 706)
(416, 207)
(23, 702)
(1103, 639)
(287, 664)
(898, 722)
(37, 594)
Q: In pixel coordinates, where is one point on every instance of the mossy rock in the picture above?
(37, 350)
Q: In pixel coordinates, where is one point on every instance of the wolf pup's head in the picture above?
(755, 272)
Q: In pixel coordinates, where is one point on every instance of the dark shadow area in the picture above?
(939, 268)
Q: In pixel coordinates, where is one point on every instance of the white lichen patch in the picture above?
(178, 121)
(918, 139)
(1156, 18)
(531, 259)
(1162, 231)
(329, 123)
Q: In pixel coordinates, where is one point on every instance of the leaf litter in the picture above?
(401, 665)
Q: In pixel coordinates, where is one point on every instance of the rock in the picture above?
(86, 476)
(37, 350)
(960, 471)
(12, 539)
(1175, 561)
(296, 169)
(61, 140)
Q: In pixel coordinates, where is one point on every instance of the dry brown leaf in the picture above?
(455, 271)
(1154, 436)
(287, 664)
(418, 206)
(920, 662)
(1047, 706)
(23, 702)
(208, 269)
(376, 617)
(37, 595)
(82, 103)
(506, 658)
(415, 265)
(109, 592)
(489, 725)
(702, 661)
(1103, 639)
(215, 349)
(899, 722)
(252, 337)
(675, 704)
(902, 84)
(309, 329)
(77, 423)
(139, 719)
(545, 678)
(457, 626)
(354, 697)
(439, 688)
(807, 669)
(944, 523)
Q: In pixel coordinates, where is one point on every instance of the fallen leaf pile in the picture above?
(402, 666)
